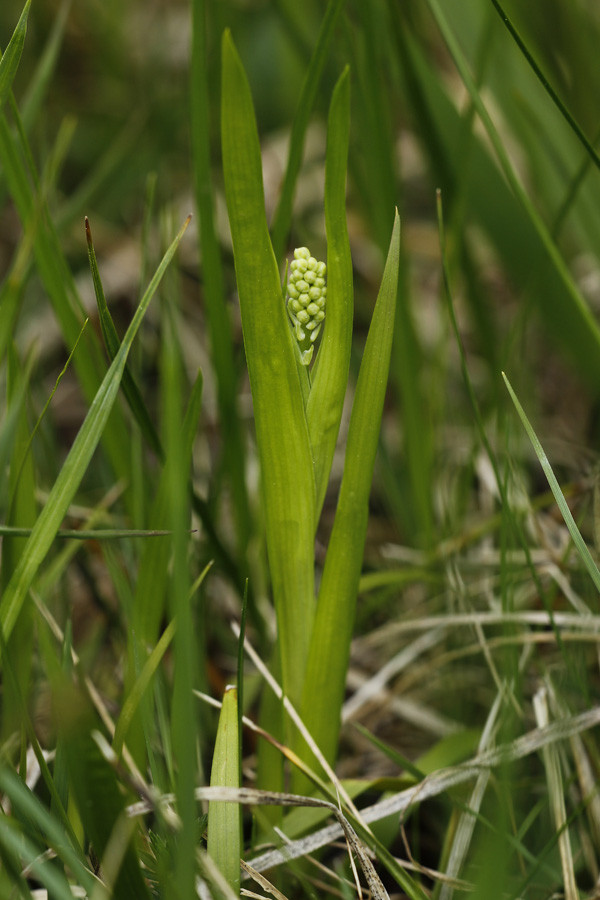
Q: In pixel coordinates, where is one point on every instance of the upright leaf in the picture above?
(330, 645)
(288, 487)
(326, 398)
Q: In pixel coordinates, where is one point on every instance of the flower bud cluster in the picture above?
(306, 294)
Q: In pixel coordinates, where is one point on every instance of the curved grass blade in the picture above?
(283, 213)
(12, 55)
(332, 633)
(288, 486)
(76, 463)
(330, 377)
(580, 544)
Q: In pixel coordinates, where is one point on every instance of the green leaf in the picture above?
(330, 645)
(224, 819)
(330, 377)
(11, 56)
(75, 465)
(288, 486)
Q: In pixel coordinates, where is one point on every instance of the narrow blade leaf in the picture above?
(330, 645)
(282, 434)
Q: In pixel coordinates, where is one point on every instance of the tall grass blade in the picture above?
(330, 644)
(75, 465)
(20, 849)
(288, 487)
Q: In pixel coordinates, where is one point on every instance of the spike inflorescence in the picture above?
(306, 293)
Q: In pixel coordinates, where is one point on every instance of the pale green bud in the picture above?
(306, 295)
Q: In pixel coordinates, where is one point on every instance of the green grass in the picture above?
(406, 528)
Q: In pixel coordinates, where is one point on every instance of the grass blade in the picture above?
(75, 465)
